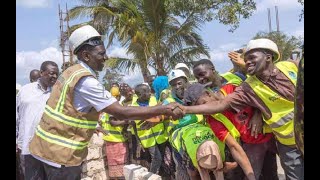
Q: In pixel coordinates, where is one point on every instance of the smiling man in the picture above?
(72, 111)
(30, 103)
(270, 88)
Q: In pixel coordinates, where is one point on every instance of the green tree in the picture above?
(286, 44)
(144, 27)
(159, 33)
(301, 16)
(111, 76)
(227, 12)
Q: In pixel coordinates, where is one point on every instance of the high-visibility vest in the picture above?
(189, 138)
(282, 110)
(63, 132)
(166, 91)
(156, 134)
(232, 78)
(228, 124)
(114, 133)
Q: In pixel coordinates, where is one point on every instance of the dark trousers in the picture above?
(38, 170)
(291, 162)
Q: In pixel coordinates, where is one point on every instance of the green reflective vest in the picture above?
(114, 133)
(156, 134)
(282, 110)
(189, 138)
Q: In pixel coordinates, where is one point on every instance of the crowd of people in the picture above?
(193, 123)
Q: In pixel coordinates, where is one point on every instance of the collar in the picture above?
(268, 74)
(176, 98)
(88, 68)
(41, 87)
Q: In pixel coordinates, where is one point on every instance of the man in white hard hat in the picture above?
(184, 68)
(270, 88)
(70, 118)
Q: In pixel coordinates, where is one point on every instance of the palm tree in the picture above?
(155, 38)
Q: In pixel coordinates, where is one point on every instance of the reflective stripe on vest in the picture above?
(69, 120)
(232, 78)
(281, 121)
(155, 134)
(189, 138)
(62, 97)
(228, 124)
(59, 140)
(114, 132)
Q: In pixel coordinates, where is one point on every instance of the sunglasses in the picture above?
(90, 42)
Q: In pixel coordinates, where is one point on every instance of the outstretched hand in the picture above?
(236, 58)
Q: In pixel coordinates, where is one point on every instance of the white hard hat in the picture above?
(181, 65)
(18, 86)
(176, 73)
(264, 44)
(81, 35)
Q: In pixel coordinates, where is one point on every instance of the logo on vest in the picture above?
(200, 138)
(274, 97)
(292, 75)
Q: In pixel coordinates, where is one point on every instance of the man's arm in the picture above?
(240, 156)
(134, 113)
(212, 107)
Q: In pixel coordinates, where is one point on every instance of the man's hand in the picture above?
(236, 58)
(256, 124)
(174, 110)
(99, 129)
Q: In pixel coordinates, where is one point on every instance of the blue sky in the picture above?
(37, 33)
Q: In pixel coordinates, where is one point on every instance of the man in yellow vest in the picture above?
(72, 110)
(270, 88)
(151, 139)
(116, 143)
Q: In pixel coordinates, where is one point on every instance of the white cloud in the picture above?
(219, 56)
(34, 3)
(28, 60)
(119, 52)
(282, 5)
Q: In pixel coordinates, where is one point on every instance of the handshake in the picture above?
(174, 110)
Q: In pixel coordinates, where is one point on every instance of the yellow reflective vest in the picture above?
(156, 134)
(189, 138)
(232, 78)
(282, 110)
(114, 133)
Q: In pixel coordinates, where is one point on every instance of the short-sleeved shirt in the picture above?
(88, 93)
(245, 96)
(240, 120)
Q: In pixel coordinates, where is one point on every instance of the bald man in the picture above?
(34, 75)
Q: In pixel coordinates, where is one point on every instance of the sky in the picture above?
(37, 34)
